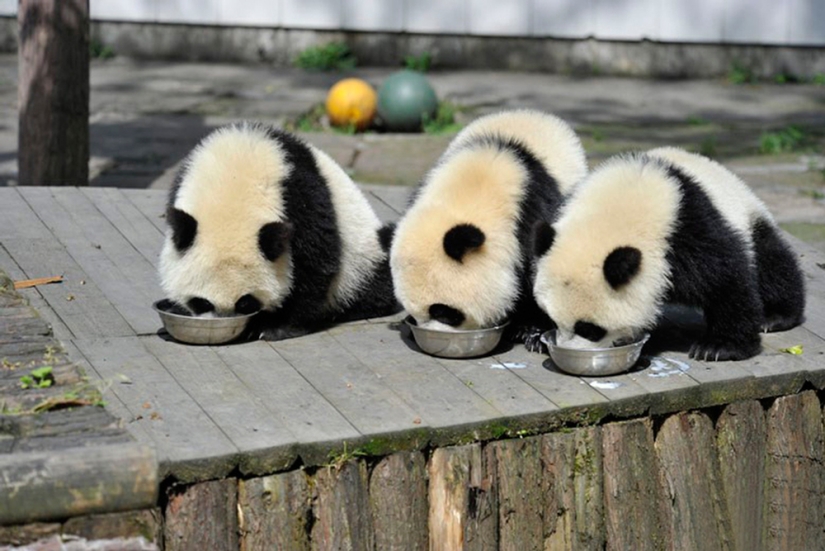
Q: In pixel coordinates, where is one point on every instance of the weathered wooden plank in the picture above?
(563, 390)
(112, 403)
(127, 279)
(23, 534)
(151, 202)
(19, 220)
(318, 426)
(634, 502)
(812, 357)
(442, 401)
(398, 497)
(698, 517)
(131, 524)
(350, 386)
(202, 516)
(132, 224)
(39, 486)
(342, 508)
(33, 297)
(520, 495)
(190, 446)
(741, 441)
(384, 212)
(794, 491)
(493, 379)
(78, 301)
(481, 530)
(265, 443)
(275, 512)
(572, 486)
(669, 383)
(453, 472)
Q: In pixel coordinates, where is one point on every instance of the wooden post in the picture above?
(203, 516)
(698, 514)
(794, 491)
(632, 492)
(342, 509)
(53, 92)
(572, 489)
(740, 437)
(398, 494)
(275, 512)
(520, 495)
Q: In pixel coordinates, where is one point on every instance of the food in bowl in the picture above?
(190, 329)
(594, 362)
(455, 343)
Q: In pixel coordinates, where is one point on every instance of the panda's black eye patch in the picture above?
(462, 238)
(200, 306)
(247, 304)
(184, 228)
(446, 314)
(589, 331)
(273, 239)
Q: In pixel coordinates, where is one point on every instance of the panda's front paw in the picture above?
(719, 350)
(281, 332)
(531, 337)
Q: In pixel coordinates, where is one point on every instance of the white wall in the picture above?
(794, 22)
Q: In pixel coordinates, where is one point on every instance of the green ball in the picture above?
(405, 99)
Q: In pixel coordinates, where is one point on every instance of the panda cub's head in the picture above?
(455, 254)
(227, 247)
(601, 269)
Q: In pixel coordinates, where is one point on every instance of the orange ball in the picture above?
(351, 101)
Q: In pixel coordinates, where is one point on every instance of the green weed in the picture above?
(739, 74)
(708, 146)
(782, 141)
(444, 120)
(98, 50)
(420, 63)
(329, 57)
(38, 378)
(695, 120)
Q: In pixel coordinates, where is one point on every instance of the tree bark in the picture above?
(53, 92)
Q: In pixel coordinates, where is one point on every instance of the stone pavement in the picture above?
(145, 117)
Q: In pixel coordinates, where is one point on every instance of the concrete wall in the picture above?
(773, 22)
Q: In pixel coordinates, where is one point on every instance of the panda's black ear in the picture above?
(462, 238)
(386, 234)
(273, 239)
(621, 265)
(184, 228)
(543, 237)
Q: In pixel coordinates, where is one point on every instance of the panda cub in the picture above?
(667, 226)
(260, 221)
(460, 257)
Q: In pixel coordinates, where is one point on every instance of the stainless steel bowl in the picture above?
(197, 330)
(594, 362)
(465, 343)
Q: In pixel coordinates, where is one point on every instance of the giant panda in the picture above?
(667, 226)
(259, 220)
(460, 254)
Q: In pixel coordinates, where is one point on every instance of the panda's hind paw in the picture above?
(531, 337)
(713, 350)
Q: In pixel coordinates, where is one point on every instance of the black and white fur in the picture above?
(460, 257)
(667, 227)
(259, 220)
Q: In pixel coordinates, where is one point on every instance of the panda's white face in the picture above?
(455, 253)
(227, 250)
(601, 272)
(209, 281)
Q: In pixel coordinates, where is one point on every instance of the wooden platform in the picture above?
(362, 388)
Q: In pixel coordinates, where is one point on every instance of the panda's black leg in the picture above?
(530, 336)
(732, 315)
(781, 285)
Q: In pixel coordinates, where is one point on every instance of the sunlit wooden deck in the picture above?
(261, 407)
(232, 435)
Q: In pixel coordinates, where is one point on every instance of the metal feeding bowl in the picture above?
(594, 362)
(459, 343)
(191, 329)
